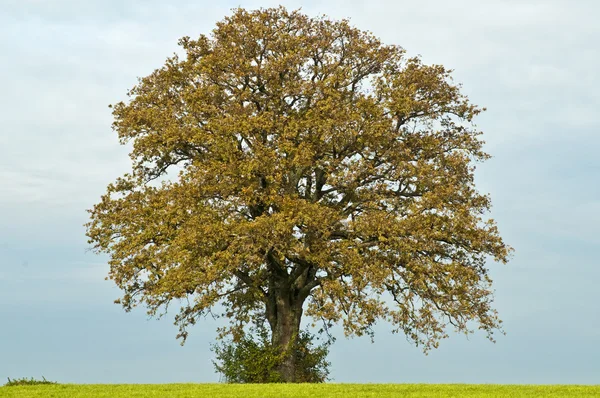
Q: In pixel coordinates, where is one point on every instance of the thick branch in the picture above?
(244, 277)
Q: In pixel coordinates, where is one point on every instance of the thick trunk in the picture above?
(286, 295)
(284, 313)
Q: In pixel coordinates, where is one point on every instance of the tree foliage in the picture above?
(288, 165)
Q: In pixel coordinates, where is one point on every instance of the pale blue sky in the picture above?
(533, 64)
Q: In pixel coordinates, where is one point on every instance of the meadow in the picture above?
(297, 390)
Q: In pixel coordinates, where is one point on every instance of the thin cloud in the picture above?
(532, 63)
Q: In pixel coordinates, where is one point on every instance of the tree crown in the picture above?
(312, 161)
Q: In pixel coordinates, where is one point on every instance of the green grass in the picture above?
(298, 390)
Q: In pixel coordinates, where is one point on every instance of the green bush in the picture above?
(27, 382)
(253, 359)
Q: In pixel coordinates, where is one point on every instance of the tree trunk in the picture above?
(284, 313)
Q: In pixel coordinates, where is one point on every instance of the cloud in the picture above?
(79, 271)
(532, 63)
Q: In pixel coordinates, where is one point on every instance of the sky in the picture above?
(533, 64)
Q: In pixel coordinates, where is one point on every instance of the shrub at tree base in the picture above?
(254, 359)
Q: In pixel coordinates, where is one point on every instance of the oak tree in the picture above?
(286, 166)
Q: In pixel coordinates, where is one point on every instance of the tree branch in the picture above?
(250, 283)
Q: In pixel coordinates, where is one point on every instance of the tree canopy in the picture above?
(288, 165)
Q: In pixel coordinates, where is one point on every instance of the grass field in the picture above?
(297, 390)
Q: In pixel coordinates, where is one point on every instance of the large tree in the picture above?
(288, 165)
